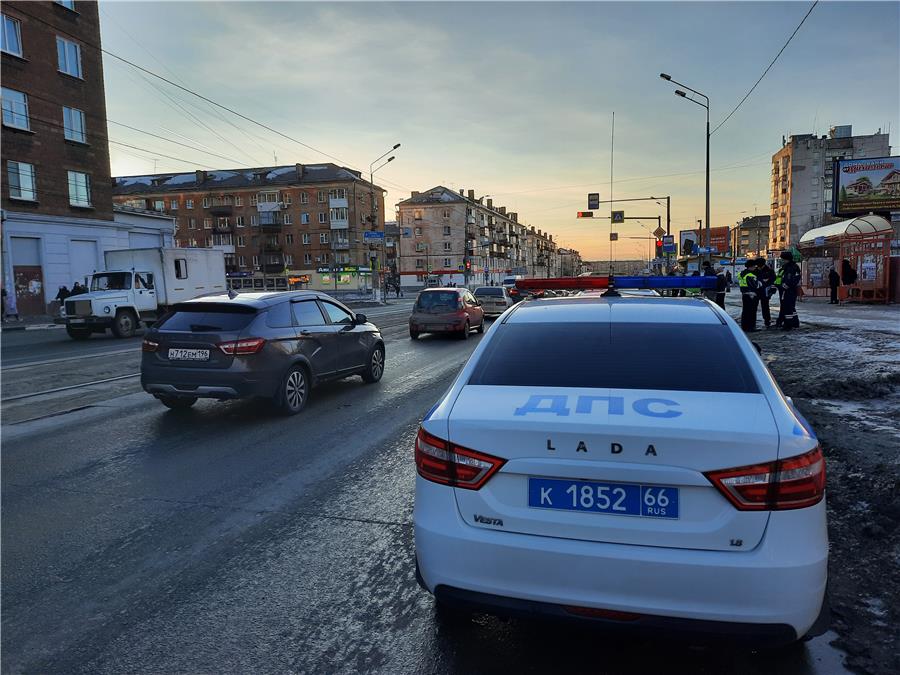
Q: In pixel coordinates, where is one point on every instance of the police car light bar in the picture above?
(585, 283)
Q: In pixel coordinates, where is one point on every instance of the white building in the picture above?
(43, 252)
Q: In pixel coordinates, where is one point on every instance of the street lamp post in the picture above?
(683, 95)
(374, 216)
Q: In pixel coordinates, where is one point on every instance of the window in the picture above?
(68, 57)
(446, 262)
(254, 221)
(73, 126)
(446, 214)
(222, 221)
(306, 237)
(446, 230)
(15, 108)
(447, 246)
(337, 193)
(336, 314)
(419, 264)
(192, 223)
(323, 237)
(267, 198)
(181, 268)
(159, 205)
(420, 246)
(188, 203)
(417, 214)
(253, 200)
(288, 219)
(239, 221)
(288, 239)
(614, 355)
(173, 205)
(304, 219)
(256, 261)
(21, 181)
(307, 259)
(418, 231)
(322, 219)
(288, 199)
(339, 213)
(79, 189)
(307, 313)
(241, 242)
(207, 223)
(11, 36)
(279, 316)
(68, 4)
(304, 198)
(238, 201)
(288, 260)
(321, 195)
(206, 202)
(242, 261)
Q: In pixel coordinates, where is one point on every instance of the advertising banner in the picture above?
(863, 185)
(691, 240)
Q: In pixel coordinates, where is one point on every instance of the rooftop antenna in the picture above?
(275, 156)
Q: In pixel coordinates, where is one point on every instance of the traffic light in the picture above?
(585, 214)
(659, 248)
(468, 265)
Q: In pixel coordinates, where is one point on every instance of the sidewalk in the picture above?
(42, 322)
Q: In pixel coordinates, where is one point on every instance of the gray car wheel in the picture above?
(375, 369)
(294, 391)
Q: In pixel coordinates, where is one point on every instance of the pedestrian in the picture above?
(834, 280)
(62, 294)
(790, 281)
(721, 288)
(765, 275)
(729, 281)
(708, 271)
(749, 296)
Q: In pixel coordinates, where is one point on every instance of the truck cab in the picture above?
(117, 300)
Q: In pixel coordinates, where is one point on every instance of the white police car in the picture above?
(645, 472)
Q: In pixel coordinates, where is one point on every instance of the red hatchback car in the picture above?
(446, 310)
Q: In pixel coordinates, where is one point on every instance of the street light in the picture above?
(372, 170)
(682, 94)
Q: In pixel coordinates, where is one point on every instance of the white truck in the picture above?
(138, 285)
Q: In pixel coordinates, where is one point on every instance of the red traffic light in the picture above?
(585, 214)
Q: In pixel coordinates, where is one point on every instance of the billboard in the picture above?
(691, 240)
(863, 185)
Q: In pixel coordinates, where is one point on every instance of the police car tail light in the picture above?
(449, 464)
(793, 483)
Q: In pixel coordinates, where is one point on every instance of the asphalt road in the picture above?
(228, 539)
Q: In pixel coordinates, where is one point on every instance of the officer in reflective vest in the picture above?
(749, 286)
(788, 278)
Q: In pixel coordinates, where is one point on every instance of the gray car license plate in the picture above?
(188, 355)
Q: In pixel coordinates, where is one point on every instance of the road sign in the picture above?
(585, 214)
(461, 268)
(659, 232)
(668, 239)
(819, 241)
(614, 236)
(369, 235)
(618, 216)
(593, 200)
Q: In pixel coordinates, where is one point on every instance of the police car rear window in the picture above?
(672, 357)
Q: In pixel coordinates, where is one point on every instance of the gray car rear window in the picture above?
(673, 357)
(489, 290)
(203, 318)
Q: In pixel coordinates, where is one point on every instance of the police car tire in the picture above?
(450, 615)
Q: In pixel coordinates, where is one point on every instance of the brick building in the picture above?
(299, 220)
(463, 239)
(750, 237)
(57, 217)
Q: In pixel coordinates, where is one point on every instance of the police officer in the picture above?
(749, 286)
(789, 275)
(766, 277)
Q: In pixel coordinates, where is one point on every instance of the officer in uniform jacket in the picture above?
(766, 277)
(749, 286)
(789, 275)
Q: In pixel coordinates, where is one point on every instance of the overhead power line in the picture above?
(768, 68)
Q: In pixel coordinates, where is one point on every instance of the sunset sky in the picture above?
(509, 99)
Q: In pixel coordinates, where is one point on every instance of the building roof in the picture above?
(863, 225)
(230, 179)
(436, 195)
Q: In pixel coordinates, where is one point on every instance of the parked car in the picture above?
(494, 299)
(273, 345)
(595, 483)
(446, 310)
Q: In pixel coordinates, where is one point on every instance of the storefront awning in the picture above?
(863, 225)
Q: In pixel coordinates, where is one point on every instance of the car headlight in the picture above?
(106, 310)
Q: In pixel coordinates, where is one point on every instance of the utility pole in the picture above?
(374, 218)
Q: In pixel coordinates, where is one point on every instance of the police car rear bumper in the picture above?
(778, 585)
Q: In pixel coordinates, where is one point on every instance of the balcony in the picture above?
(271, 227)
(221, 209)
(273, 268)
(340, 245)
(340, 224)
(227, 249)
(223, 229)
(337, 202)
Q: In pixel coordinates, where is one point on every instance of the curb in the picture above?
(36, 326)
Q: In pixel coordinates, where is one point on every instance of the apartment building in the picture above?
(750, 237)
(570, 264)
(56, 197)
(458, 238)
(802, 179)
(292, 220)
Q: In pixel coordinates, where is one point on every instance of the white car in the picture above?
(494, 299)
(625, 460)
